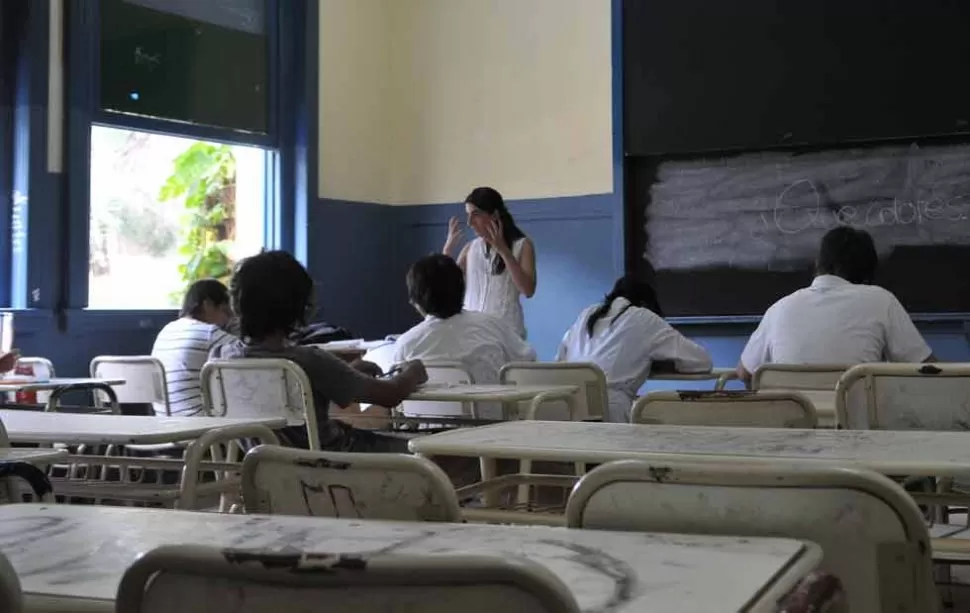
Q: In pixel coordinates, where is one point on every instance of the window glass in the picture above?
(166, 211)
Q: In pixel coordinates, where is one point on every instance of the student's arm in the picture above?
(344, 385)
(904, 343)
(523, 269)
(673, 350)
(391, 392)
(756, 352)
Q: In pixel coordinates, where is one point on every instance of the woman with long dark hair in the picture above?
(500, 264)
(626, 336)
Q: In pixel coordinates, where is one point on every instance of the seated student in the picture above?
(272, 296)
(840, 318)
(183, 345)
(482, 342)
(627, 337)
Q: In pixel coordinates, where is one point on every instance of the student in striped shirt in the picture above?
(183, 346)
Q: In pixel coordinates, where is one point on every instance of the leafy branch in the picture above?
(204, 178)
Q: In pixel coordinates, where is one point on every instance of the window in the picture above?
(167, 210)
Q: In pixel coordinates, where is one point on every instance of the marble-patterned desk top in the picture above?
(911, 452)
(38, 427)
(80, 552)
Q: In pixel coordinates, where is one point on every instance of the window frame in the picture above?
(292, 30)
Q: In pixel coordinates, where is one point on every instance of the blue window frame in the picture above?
(292, 30)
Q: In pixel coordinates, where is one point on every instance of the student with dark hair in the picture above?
(482, 342)
(183, 345)
(500, 264)
(840, 318)
(627, 337)
(272, 295)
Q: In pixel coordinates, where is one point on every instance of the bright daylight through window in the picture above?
(166, 211)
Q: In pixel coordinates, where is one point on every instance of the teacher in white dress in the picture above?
(500, 264)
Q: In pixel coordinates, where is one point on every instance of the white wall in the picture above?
(421, 100)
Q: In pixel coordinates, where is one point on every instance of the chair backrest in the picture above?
(592, 401)
(387, 486)
(871, 532)
(194, 579)
(798, 376)
(444, 372)
(762, 409)
(144, 380)
(904, 397)
(260, 387)
(11, 597)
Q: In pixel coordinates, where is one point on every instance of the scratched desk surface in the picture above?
(74, 556)
(894, 452)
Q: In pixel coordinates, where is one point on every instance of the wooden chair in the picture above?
(592, 402)
(904, 397)
(260, 387)
(144, 376)
(387, 486)
(11, 597)
(871, 532)
(193, 579)
(798, 376)
(763, 409)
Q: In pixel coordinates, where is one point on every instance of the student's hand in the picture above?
(368, 368)
(455, 235)
(415, 372)
(8, 361)
(495, 238)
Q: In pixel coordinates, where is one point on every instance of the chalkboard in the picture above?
(714, 75)
(730, 235)
(197, 62)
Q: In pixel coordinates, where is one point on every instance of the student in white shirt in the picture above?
(482, 342)
(183, 345)
(840, 318)
(499, 265)
(627, 337)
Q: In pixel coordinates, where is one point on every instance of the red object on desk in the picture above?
(25, 396)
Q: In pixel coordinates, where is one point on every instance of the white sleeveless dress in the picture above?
(493, 294)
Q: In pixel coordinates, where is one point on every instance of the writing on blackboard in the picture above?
(791, 215)
(147, 59)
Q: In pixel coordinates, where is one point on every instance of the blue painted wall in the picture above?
(351, 241)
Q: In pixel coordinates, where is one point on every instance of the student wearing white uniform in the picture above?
(500, 264)
(840, 318)
(483, 343)
(627, 337)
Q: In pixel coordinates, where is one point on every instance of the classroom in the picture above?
(531, 305)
